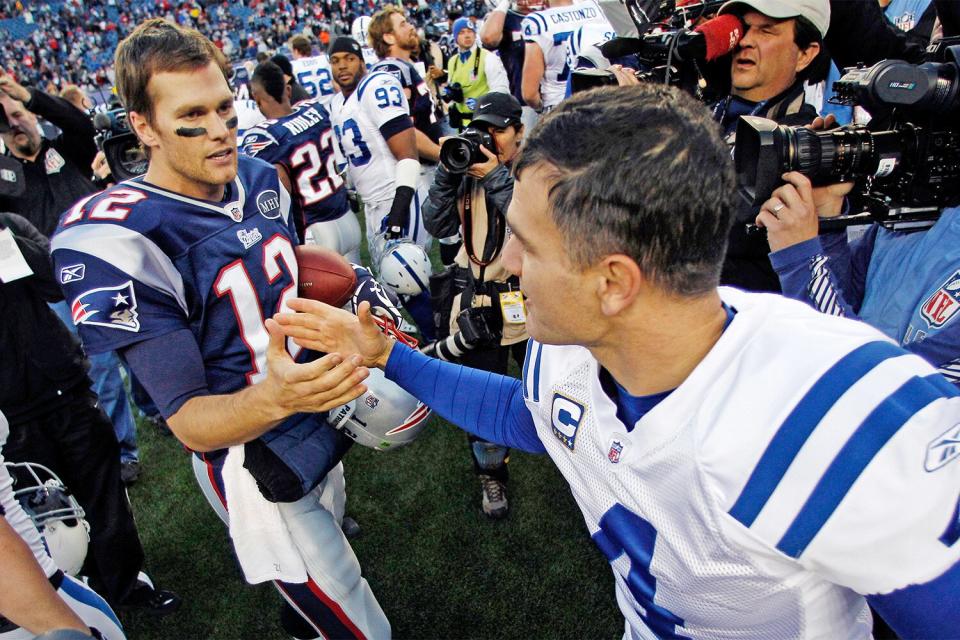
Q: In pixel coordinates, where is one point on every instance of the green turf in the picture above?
(439, 568)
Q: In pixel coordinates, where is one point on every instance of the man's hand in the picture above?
(10, 87)
(828, 199)
(320, 327)
(309, 387)
(625, 77)
(481, 169)
(790, 215)
(100, 167)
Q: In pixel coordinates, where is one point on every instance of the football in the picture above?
(324, 275)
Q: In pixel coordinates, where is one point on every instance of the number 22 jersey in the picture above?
(137, 262)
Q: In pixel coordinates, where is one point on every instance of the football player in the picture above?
(184, 266)
(377, 139)
(750, 467)
(300, 143)
(312, 72)
(545, 68)
(358, 31)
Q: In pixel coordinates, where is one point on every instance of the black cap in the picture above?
(346, 44)
(499, 109)
(283, 62)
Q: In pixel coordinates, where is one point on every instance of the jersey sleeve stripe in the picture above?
(869, 438)
(130, 252)
(526, 370)
(796, 429)
(543, 21)
(951, 534)
(536, 373)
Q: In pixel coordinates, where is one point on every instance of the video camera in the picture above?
(906, 162)
(670, 48)
(119, 144)
(458, 153)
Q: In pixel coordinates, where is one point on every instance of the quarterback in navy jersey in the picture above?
(749, 467)
(300, 143)
(181, 270)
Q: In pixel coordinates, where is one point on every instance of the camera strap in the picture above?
(496, 231)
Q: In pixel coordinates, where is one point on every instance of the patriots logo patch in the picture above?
(113, 307)
(943, 450)
(253, 148)
(943, 303)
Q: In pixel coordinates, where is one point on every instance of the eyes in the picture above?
(225, 108)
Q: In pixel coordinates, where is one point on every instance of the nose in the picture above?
(510, 256)
(218, 127)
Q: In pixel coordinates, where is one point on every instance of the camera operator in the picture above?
(781, 48)
(903, 283)
(472, 71)
(476, 204)
(57, 175)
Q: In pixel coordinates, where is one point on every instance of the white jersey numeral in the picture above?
(316, 182)
(234, 281)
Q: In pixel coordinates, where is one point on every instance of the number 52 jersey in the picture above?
(137, 262)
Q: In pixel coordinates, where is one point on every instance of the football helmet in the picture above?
(405, 268)
(359, 29)
(55, 512)
(385, 417)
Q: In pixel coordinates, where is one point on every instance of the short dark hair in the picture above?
(158, 46)
(640, 171)
(269, 76)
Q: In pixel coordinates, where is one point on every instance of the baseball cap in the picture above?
(283, 62)
(816, 11)
(497, 109)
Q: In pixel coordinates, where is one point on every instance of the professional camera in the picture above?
(673, 51)
(119, 144)
(457, 154)
(906, 162)
(477, 328)
(452, 93)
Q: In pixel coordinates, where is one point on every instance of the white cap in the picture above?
(816, 11)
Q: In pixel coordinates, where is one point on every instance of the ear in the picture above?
(145, 132)
(619, 283)
(807, 56)
(288, 92)
(389, 38)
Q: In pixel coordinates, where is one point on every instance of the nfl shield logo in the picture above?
(615, 449)
(235, 211)
(943, 304)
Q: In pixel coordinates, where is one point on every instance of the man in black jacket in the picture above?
(475, 204)
(55, 420)
(57, 175)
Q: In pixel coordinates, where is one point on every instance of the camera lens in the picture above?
(456, 154)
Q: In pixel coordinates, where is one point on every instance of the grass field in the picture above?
(439, 568)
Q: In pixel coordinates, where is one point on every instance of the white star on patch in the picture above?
(119, 299)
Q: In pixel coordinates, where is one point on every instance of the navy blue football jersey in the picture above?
(303, 143)
(144, 262)
(424, 109)
(511, 49)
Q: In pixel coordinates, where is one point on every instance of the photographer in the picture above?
(782, 47)
(904, 284)
(471, 72)
(57, 175)
(475, 204)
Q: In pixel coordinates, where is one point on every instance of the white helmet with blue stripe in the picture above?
(359, 29)
(405, 268)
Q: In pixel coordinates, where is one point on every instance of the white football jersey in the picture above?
(585, 42)
(551, 29)
(314, 75)
(377, 100)
(806, 460)
(370, 57)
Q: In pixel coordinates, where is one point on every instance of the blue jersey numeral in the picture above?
(317, 82)
(358, 153)
(558, 40)
(384, 98)
(622, 531)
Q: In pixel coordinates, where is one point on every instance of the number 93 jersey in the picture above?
(137, 262)
(363, 123)
(805, 462)
(303, 143)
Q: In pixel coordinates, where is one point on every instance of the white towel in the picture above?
(260, 537)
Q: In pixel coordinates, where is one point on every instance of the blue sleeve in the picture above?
(806, 273)
(169, 382)
(924, 610)
(487, 405)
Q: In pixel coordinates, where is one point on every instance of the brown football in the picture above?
(324, 275)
